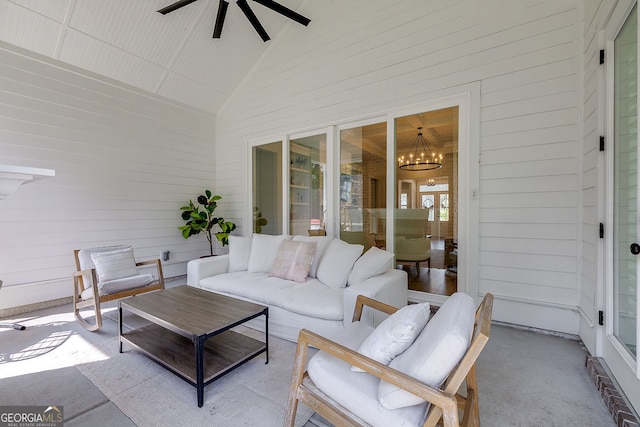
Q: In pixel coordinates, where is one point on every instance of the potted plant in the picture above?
(258, 220)
(199, 218)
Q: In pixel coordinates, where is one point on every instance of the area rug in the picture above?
(253, 394)
(57, 362)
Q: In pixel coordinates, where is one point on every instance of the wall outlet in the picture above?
(164, 255)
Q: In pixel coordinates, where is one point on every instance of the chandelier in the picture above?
(420, 157)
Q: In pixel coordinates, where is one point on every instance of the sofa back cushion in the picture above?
(239, 252)
(264, 249)
(437, 350)
(336, 263)
(322, 242)
(373, 263)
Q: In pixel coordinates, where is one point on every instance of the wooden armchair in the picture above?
(107, 274)
(445, 401)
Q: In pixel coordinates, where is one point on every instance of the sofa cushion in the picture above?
(263, 252)
(321, 246)
(293, 260)
(357, 391)
(395, 334)
(373, 263)
(436, 351)
(114, 265)
(239, 252)
(312, 298)
(337, 262)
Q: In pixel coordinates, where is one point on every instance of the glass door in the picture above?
(619, 349)
(625, 182)
(425, 217)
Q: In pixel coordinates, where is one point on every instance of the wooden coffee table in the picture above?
(185, 318)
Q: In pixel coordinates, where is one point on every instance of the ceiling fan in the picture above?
(246, 9)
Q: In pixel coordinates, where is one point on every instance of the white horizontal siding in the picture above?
(125, 162)
(372, 56)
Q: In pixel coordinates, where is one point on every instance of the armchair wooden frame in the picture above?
(445, 401)
(80, 285)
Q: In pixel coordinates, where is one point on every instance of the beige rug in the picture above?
(253, 394)
(55, 345)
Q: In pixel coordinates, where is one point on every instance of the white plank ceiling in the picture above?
(171, 55)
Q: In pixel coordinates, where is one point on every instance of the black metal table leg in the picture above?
(120, 325)
(199, 345)
(266, 332)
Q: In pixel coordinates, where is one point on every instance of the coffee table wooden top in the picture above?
(190, 311)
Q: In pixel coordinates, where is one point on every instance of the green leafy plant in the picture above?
(258, 220)
(199, 219)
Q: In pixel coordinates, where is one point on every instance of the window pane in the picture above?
(307, 186)
(267, 188)
(363, 174)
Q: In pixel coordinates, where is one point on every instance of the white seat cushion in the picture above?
(117, 285)
(358, 391)
(311, 298)
(436, 351)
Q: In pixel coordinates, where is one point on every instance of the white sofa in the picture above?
(323, 301)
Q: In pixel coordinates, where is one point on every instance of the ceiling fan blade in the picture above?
(277, 7)
(175, 6)
(222, 12)
(244, 6)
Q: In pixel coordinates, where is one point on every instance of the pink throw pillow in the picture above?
(293, 260)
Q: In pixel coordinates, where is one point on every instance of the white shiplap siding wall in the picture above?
(376, 55)
(125, 162)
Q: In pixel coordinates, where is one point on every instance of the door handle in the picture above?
(635, 248)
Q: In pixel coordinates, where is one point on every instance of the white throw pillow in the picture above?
(337, 262)
(395, 334)
(293, 260)
(114, 265)
(437, 350)
(322, 243)
(373, 263)
(239, 252)
(264, 249)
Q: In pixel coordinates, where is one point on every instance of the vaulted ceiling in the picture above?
(171, 55)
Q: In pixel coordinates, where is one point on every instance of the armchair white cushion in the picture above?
(395, 334)
(115, 268)
(436, 351)
(358, 390)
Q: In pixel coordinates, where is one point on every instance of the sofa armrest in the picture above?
(390, 288)
(198, 269)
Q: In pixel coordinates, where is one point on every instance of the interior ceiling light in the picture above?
(420, 157)
(246, 9)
